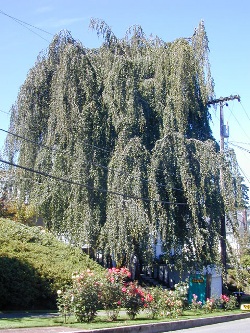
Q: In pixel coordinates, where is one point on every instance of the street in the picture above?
(240, 326)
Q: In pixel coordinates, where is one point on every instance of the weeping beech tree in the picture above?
(121, 141)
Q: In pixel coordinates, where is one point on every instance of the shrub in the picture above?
(228, 302)
(85, 299)
(18, 281)
(133, 299)
(210, 305)
(91, 291)
(153, 302)
(34, 265)
(64, 302)
(195, 304)
(111, 291)
(172, 304)
(181, 292)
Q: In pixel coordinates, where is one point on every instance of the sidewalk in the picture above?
(145, 328)
(55, 329)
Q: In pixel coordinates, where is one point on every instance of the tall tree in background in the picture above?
(127, 126)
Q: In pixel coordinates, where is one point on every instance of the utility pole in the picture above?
(223, 134)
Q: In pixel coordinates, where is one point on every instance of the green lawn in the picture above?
(100, 321)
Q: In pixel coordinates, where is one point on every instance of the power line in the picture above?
(120, 172)
(126, 196)
(245, 111)
(25, 139)
(244, 174)
(18, 20)
(242, 143)
(27, 25)
(245, 150)
(239, 123)
(242, 148)
(5, 112)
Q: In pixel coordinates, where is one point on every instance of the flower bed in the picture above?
(114, 290)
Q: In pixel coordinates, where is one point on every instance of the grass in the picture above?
(32, 319)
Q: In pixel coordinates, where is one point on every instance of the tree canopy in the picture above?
(120, 140)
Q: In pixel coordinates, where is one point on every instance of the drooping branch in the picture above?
(129, 118)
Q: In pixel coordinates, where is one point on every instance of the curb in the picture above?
(169, 326)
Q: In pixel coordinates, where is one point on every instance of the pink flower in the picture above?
(124, 289)
(224, 298)
(149, 298)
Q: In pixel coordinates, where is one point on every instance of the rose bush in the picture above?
(90, 292)
(86, 291)
(210, 305)
(111, 294)
(228, 302)
(133, 299)
(82, 298)
(172, 304)
(195, 304)
(154, 302)
(64, 302)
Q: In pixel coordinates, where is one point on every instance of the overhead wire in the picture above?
(232, 114)
(244, 174)
(25, 139)
(27, 25)
(242, 148)
(240, 142)
(5, 112)
(235, 144)
(120, 172)
(124, 195)
(245, 151)
(239, 124)
(244, 110)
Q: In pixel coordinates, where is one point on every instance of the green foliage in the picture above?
(64, 302)
(33, 264)
(195, 304)
(228, 302)
(19, 284)
(111, 293)
(127, 126)
(238, 278)
(210, 305)
(90, 292)
(172, 304)
(133, 299)
(224, 302)
(85, 300)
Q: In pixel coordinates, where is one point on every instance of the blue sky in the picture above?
(227, 24)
